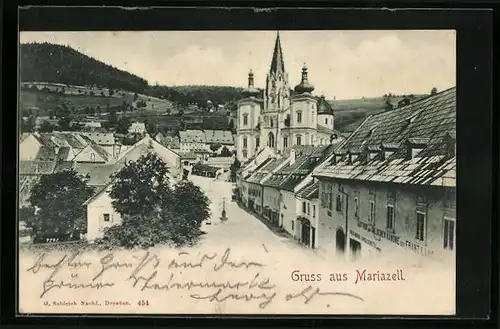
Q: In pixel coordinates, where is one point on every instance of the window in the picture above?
(330, 201)
(371, 214)
(356, 208)
(257, 142)
(92, 157)
(326, 120)
(303, 207)
(421, 226)
(299, 140)
(314, 211)
(245, 119)
(338, 205)
(271, 123)
(245, 142)
(449, 233)
(312, 106)
(106, 217)
(308, 208)
(390, 217)
(293, 225)
(299, 117)
(285, 141)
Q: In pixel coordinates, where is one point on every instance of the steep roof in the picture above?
(219, 136)
(277, 62)
(36, 167)
(310, 191)
(192, 136)
(324, 107)
(430, 122)
(99, 138)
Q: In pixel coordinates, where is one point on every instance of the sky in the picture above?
(341, 64)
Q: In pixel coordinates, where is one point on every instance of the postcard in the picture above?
(237, 172)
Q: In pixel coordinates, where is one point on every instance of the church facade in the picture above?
(280, 117)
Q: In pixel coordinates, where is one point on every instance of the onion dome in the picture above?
(304, 86)
(250, 91)
(324, 107)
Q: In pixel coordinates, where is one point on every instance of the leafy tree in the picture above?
(225, 152)
(151, 127)
(123, 125)
(235, 166)
(434, 91)
(214, 147)
(58, 197)
(46, 127)
(28, 125)
(388, 105)
(152, 212)
(27, 216)
(135, 96)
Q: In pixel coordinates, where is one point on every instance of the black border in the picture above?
(475, 185)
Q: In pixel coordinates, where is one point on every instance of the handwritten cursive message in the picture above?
(210, 277)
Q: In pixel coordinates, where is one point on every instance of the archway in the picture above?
(340, 240)
(270, 140)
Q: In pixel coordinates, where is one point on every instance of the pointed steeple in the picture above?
(277, 63)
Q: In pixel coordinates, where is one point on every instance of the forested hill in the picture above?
(45, 62)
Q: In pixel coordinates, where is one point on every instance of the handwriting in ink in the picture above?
(142, 264)
(216, 297)
(309, 293)
(48, 285)
(175, 264)
(107, 263)
(225, 262)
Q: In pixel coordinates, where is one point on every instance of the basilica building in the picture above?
(281, 117)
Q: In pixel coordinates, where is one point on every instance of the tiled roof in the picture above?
(45, 139)
(46, 153)
(99, 174)
(291, 182)
(63, 165)
(430, 121)
(310, 191)
(36, 167)
(99, 150)
(192, 136)
(219, 136)
(26, 183)
(188, 155)
(99, 138)
(257, 177)
(275, 180)
(63, 153)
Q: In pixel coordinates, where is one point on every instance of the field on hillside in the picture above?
(80, 97)
(350, 113)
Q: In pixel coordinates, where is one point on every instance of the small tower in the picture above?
(304, 86)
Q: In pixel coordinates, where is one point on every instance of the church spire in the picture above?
(277, 63)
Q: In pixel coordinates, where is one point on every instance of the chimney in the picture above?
(292, 156)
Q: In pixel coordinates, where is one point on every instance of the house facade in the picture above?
(390, 188)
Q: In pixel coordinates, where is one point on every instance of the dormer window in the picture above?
(451, 144)
(389, 149)
(415, 146)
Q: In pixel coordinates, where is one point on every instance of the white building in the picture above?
(281, 117)
(192, 140)
(137, 128)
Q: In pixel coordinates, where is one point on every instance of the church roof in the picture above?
(324, 107)
(277, 63)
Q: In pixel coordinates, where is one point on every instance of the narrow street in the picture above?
(242, 231)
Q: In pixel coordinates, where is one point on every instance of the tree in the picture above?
(151, 127)
(152, 212)
(214, 147)
(28, 125)
(58, 197)
(434, 91)
(141, 186)
(46, 127)
(135, 96)
(123, 125)
(27, 216)
(225, 152)
(388, 105)
(235, 166)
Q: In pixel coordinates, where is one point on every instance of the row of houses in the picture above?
(200, 140)
(388, 188)
(100, 213)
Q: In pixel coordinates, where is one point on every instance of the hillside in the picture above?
(349, 113)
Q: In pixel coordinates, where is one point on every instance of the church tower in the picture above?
(249, 110)
(276, 99)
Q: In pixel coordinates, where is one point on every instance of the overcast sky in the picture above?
(342, 64)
